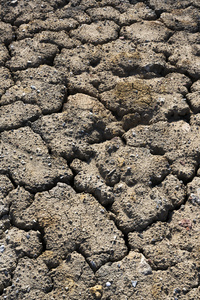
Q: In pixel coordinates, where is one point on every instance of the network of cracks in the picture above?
(99, 152)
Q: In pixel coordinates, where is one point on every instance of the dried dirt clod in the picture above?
(6, 33)
(43, 73)
(50, 24)
(30, 164)
(4, 55)
(193, 99)
(16, 114)
(160, 6)
(135, 13)
(29, 275)
(92, 183)
(70, 221)
(176, 140)
(18, 140)
(6, 80)
(19, 200)
(25, 243)
(186, 56)
(102, 13)
(181, 19)
(47, 96)
(75, 11)
(135, 177)
(19, 12)
(76, 61)
(103, 3)
(8, 264)
(147, 31)
(119, 278)
(15, 244)
(96, 33)
(29, 52)
(70, 138)
(168, 244)
(72, 278)
(5, 185)
(152, 100)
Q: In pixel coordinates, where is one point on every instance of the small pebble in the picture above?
(2, 248)
(134, 283)
(108, 284)
(14, 2)
(176, 291)
(93, 264)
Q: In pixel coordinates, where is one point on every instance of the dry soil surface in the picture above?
(100, 149)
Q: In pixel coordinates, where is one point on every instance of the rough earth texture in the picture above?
(99, 149)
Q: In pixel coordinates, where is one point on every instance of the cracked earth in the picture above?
(99, 151)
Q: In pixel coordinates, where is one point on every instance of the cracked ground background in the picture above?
(99, 152)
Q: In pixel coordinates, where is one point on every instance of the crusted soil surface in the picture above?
(100, 149)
